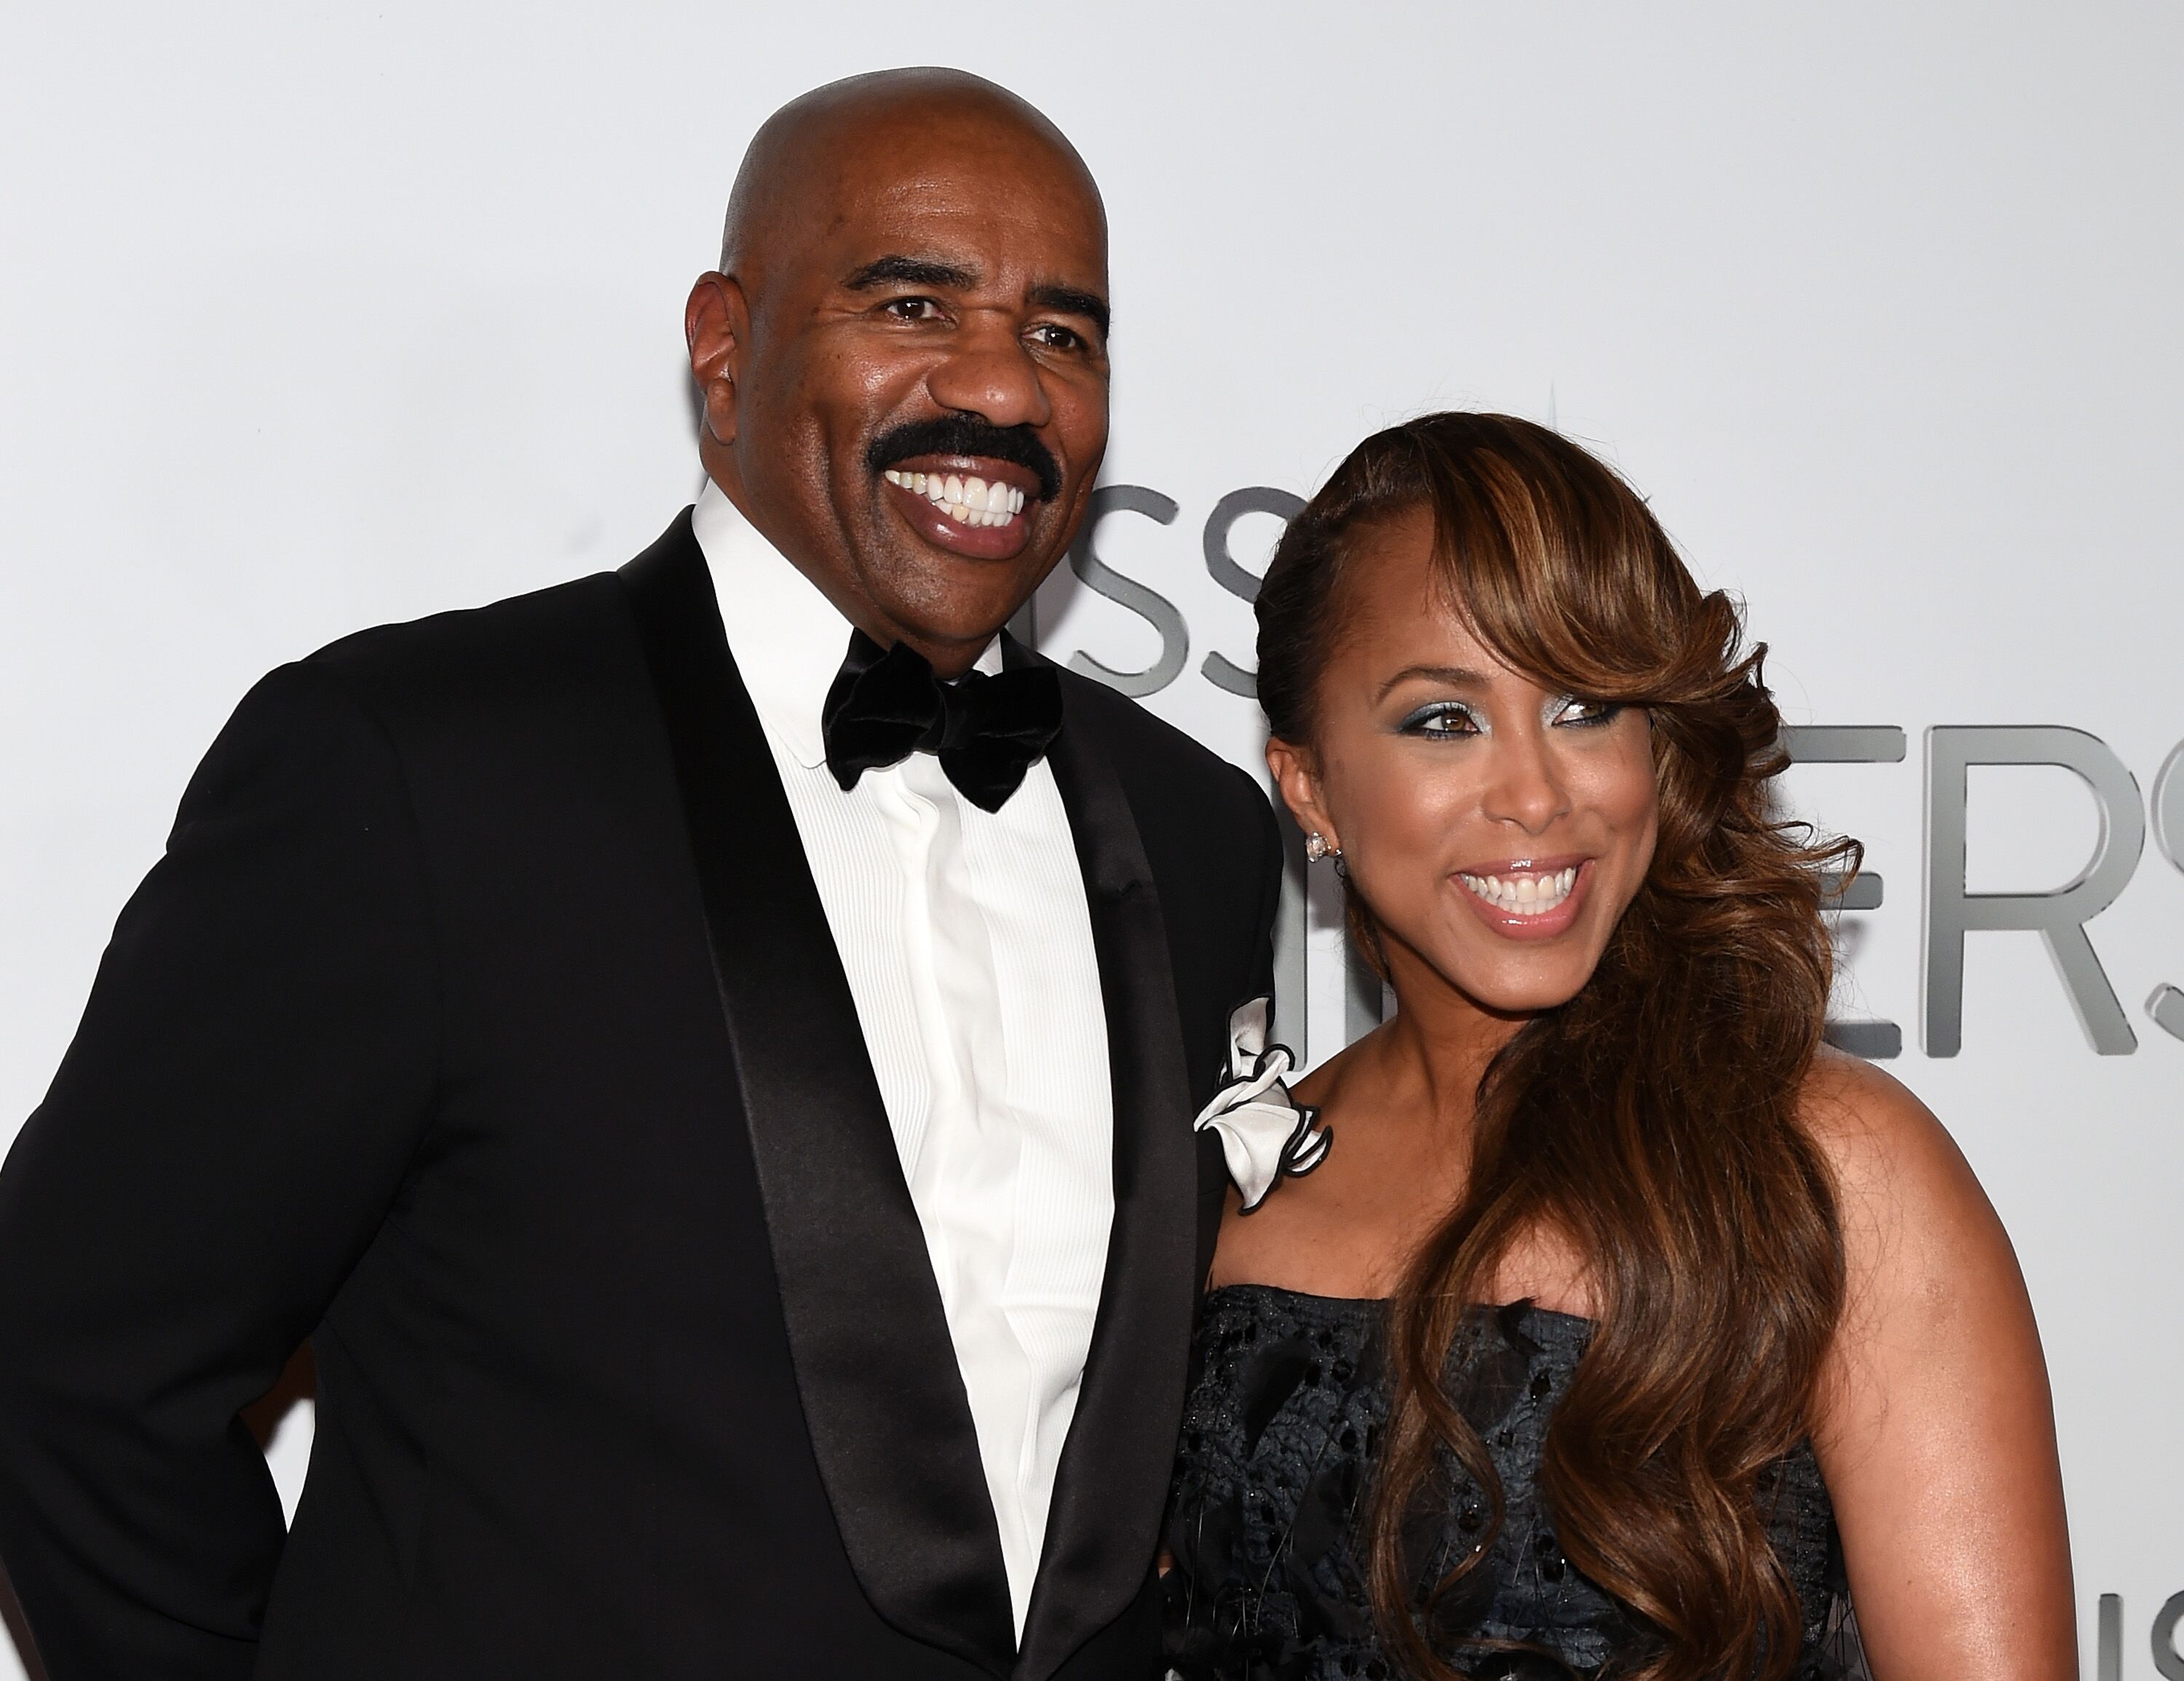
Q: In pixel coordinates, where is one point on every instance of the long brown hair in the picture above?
(1653, 1119)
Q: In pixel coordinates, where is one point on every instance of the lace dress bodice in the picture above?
(1264, 1517)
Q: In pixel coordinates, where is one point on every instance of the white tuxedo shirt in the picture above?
(968, 948)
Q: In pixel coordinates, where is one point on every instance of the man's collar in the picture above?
(787, 638)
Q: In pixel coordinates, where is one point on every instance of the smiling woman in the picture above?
(1624, 1331)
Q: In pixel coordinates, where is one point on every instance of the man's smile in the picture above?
(975, 507)
(967, 499)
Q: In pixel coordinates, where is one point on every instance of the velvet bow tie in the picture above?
(986, 731)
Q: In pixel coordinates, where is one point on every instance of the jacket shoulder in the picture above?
(331, 719)
(551, 635)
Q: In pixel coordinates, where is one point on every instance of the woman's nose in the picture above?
(1525, 787)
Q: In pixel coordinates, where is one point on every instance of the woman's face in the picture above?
(1496, 829)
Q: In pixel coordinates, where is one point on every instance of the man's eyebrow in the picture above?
(900, 270)
(1071, 301)
(1456, 676)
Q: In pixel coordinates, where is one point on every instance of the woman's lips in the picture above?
(1528, 899)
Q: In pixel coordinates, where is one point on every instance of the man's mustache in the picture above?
(968, 435)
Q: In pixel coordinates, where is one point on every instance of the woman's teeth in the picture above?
(1523, 895)
(967, 502)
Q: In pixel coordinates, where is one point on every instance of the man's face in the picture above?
(917, 405)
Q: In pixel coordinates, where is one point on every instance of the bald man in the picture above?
(706, 1053)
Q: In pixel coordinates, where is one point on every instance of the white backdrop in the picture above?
(317, 317)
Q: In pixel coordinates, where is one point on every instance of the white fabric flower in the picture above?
(1264, 1132)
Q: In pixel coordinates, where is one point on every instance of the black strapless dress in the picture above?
(1288, 1400)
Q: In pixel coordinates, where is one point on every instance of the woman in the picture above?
(1617, 1327)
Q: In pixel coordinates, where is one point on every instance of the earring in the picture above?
(1315, 848)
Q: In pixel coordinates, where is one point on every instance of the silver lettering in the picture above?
(2168, 807)
(1853, 744)
(1154, 609)
(2166, 1004)
(2167, 1662)
(2058, 917)
(1222, 672)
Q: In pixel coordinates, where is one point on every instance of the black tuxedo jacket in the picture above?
(482, 1024)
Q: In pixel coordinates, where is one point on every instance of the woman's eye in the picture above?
(1572, 710)
(1442, 719)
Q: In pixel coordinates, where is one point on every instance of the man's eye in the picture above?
(1056, 337)
(911, 309)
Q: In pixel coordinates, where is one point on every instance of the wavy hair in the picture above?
(1653, 1120)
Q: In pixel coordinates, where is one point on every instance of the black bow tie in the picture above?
(988, 731)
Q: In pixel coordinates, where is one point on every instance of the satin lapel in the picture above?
(883, 1396)
(1113, 1479)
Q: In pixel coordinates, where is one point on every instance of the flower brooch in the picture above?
(1264, 1132)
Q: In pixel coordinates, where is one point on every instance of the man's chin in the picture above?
(935, 598)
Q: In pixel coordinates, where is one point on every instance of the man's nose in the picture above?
(1525, 787)
(990, 374)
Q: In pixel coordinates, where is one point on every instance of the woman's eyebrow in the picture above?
(1457, 676)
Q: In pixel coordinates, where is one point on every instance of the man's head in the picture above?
(910, 317)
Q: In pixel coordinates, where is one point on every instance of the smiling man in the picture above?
(909, 396)
(706, 1054)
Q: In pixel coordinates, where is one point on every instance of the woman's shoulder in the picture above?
(1922, 1245)
(1890, 1155)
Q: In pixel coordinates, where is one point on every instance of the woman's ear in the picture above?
(1297, 776)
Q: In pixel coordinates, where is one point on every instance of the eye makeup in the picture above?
(1448, 720)
(1596, 712)
(1440, 719)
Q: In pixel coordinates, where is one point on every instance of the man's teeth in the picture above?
(1523, 895)
(967, 501)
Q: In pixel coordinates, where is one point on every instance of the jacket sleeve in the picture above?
(232, 1124)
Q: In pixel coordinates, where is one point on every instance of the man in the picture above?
(719, 1109)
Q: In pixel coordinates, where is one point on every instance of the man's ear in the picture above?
(1297, 776)
(716, 324)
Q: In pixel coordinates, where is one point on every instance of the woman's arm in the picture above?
(1936, 1434)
